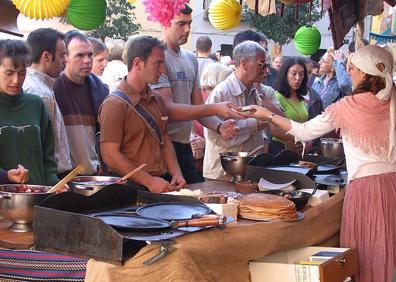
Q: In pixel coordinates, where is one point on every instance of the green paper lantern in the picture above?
(86, 14)
(307, 40)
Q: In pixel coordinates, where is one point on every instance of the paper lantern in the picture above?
(86, 14)
(131, 1)
(307, 40)
(225, 14)
(41, 9)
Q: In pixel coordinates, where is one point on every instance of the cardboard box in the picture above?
(294, 265)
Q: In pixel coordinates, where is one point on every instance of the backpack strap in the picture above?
(144, 114)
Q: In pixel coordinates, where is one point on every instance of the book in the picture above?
(324, 255)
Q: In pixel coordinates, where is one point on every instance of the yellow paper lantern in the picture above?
(225, 14)
(41, 9)
(131, 1)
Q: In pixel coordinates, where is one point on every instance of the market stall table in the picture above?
(223, 254)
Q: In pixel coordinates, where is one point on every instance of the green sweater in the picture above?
(26, 137)
(296, 111)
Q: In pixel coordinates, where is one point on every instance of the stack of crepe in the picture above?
(259, 206)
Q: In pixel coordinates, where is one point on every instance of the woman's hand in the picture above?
(18, 175)
(259, 113)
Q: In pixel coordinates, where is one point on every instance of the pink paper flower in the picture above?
(163, 11)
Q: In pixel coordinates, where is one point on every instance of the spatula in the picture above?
(79, 169)
(125, 177)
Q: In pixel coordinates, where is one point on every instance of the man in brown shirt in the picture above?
(128, 139)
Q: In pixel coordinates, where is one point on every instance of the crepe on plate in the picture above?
(266, 207)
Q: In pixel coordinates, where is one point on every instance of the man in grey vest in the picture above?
(181, 91)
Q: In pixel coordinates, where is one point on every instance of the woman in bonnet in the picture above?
(367, 123)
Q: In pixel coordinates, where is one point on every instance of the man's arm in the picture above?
(118, 163)
(198, 109)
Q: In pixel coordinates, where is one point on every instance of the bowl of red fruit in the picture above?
(17, 202)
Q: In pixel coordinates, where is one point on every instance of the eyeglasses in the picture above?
(263, 66)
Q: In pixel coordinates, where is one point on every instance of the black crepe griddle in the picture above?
(173, 211)
(134, 222)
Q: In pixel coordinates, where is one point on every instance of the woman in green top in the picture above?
(291, 87)
(25, 130)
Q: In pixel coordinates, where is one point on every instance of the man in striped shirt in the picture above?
(48, 53)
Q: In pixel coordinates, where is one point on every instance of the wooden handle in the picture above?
(132, 172)
(200, 222)
(79, 169)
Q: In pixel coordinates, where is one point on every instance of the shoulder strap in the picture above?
(144, 114)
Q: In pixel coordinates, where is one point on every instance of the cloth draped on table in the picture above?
(32, 265)
(224, 255)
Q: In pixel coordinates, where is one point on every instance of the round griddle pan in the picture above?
(134, 222)
(173, 211)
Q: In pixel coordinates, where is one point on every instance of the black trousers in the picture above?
(187, 163)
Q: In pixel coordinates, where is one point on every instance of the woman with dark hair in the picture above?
(367, 121)
(25, 131)
(291, 88)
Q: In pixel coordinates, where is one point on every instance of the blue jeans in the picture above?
(186, 162)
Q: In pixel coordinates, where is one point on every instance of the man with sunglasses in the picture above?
(250, 67)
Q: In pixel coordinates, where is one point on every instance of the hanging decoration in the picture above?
(163, 11)
(41, 9)
(224, 14)
(86, 14)
(307, 40)
(131, 1)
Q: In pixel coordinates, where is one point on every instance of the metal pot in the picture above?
(332, 147)
(88, 185)
(235, 164)
(18, 206)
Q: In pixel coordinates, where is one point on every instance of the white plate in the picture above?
(300, 216)
(266, 185)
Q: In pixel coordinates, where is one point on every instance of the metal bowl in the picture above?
(18, 206)
(89, 185)
(235, 164)
(332, 147)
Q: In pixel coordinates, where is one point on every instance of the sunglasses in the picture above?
(263, 65)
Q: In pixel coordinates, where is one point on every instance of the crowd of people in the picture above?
(68, 99)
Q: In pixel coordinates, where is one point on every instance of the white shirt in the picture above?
(248, 138)
(114, 72)
(359, 163)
